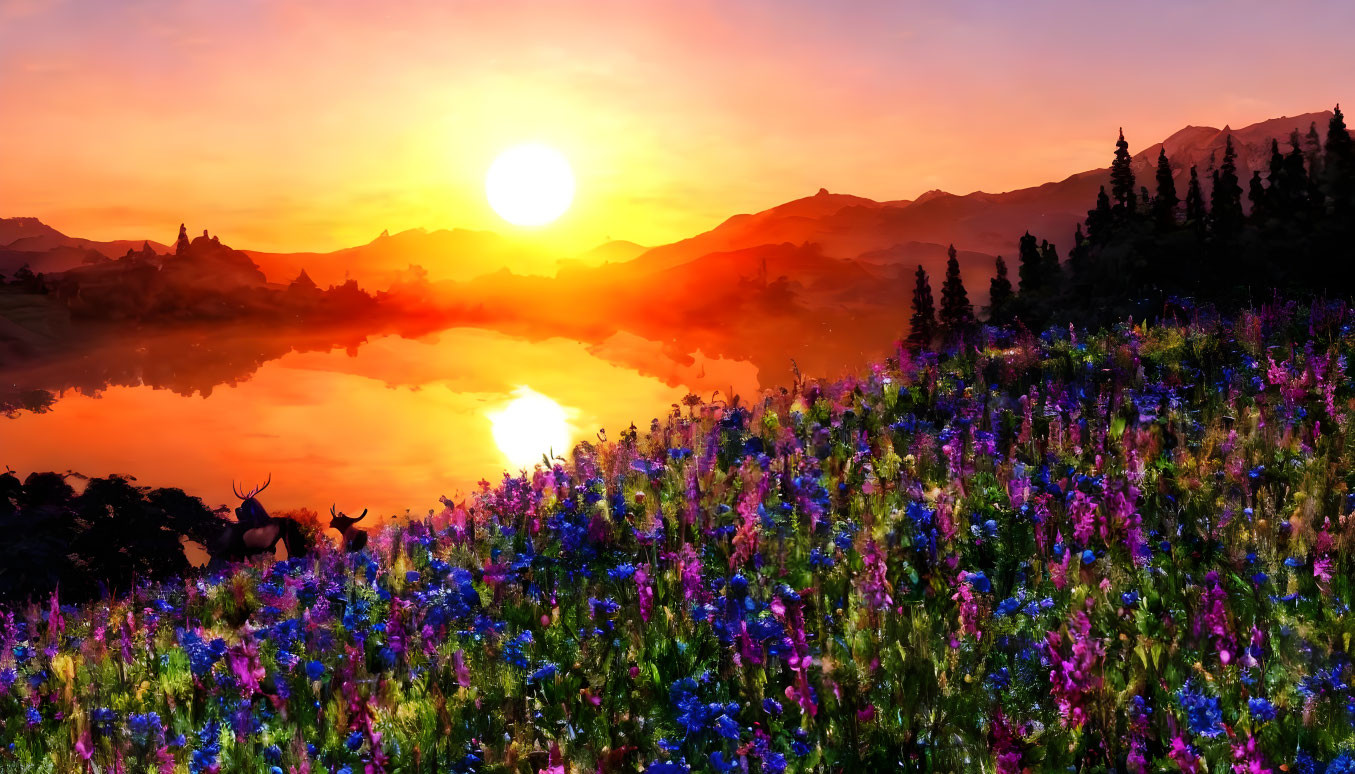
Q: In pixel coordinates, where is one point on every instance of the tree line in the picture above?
(105, 538)
(1141, 253)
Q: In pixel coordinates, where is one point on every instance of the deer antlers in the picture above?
(334, 511)
(253, 492)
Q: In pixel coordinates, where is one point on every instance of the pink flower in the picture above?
(1075, 675)
(1184, 756)
(1249, 760)
(243, 660)
(85, 745)
(462, 671)
(556, 764)
(874, 584)
(645, 591)
(1322, 571)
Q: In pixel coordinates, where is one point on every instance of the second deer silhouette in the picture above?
(354, 539)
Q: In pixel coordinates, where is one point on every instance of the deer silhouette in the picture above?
(354, 539)
(255, 532)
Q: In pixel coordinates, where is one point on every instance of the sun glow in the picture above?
(530, 185)
(529, 426)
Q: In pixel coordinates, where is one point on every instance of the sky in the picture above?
(288, 125)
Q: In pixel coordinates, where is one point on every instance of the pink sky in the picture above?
(314, 125)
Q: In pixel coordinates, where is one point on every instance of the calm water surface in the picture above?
(391, 425)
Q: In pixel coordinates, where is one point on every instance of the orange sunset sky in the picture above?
(314, 125)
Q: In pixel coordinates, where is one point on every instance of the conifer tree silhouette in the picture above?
(922, 325)
(957, 314)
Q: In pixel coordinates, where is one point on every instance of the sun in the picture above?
(530, 185)
(529, 426)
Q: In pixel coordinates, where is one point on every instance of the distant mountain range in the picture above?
(838, 226)
(817, 285)
(46, 250)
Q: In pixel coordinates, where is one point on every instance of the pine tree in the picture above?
(1122, 176)
(1099, 219)
(1049, 265)
(1077, 257)
(1225, 201)
(1256, 194)
(1276, 205)
(1031, 269)
(1294, 183)
(999, 293)
(1312, 152)
(957, 314)
(181, 246)
(1196, 217)
(922, 325)
(1338, 166)
(1164, 206)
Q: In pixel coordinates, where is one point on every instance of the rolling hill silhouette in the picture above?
(842, 226)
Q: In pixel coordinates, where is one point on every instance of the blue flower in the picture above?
(209, 746)
(102, 720)
(1261, 709)
(315, 670)
(979, 581)
(354, 741)
(727, 727)
(1130, 598)
(1202, 712)
(514, 653)
(146, 729)
(771, 706)
(1088, 556)
(717, 763)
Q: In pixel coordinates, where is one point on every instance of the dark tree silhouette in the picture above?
(1256, 194)
(1296, 189)
(1225, 201)
(1296, 238)
(108, 537)
(1032, 270)
(1166, 201)
(1312, 153)
(1122, 177)
(1196, 217)
(1099, 219)
(922, 325)
(1338, 167)
(957, 314)
(1000, 293)
(1049, 264)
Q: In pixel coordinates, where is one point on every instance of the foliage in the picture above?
(1127, 551)
(1143, 253)
(107, 537)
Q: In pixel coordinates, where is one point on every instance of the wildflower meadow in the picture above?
(1128, 550)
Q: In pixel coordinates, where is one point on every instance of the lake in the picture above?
(391, 424)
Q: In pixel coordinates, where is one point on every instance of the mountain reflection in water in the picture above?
(389, 424)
